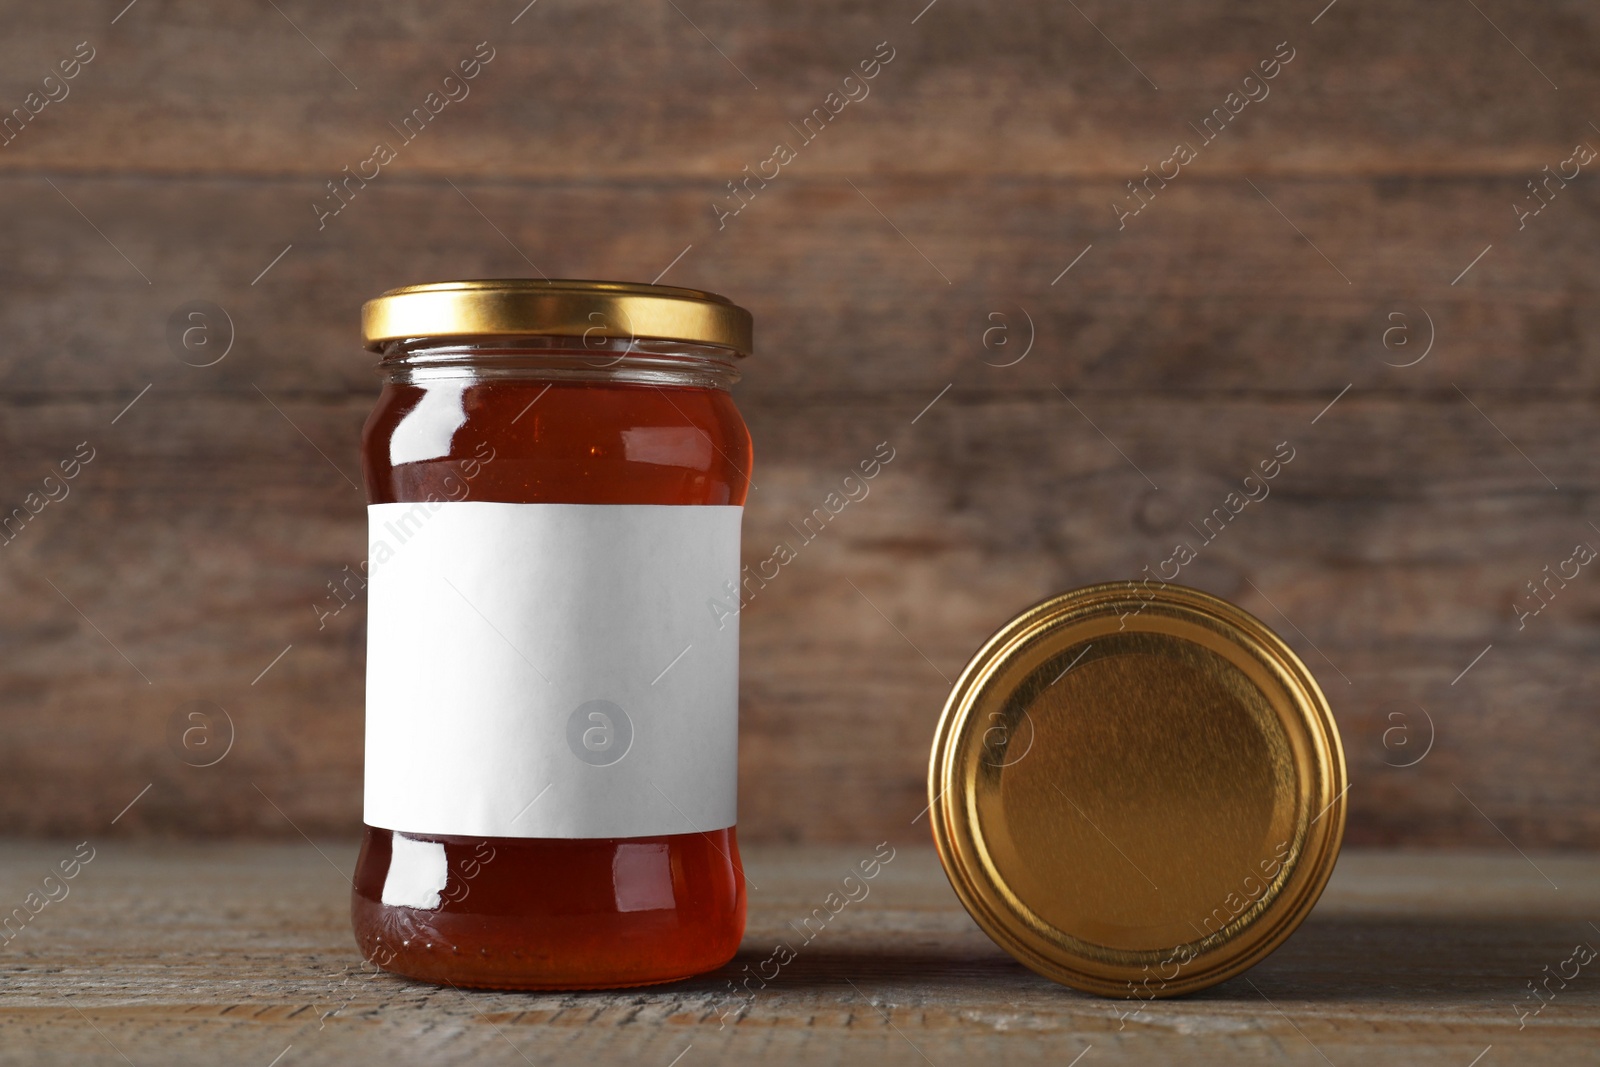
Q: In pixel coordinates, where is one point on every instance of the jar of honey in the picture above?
(556, 473)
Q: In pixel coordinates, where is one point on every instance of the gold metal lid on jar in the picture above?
(1137, 789)
(533, 307)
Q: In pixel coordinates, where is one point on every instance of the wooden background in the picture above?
(1253, 291)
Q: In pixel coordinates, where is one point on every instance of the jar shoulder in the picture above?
(534, 441)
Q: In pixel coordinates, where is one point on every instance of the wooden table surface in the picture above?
(241, 954)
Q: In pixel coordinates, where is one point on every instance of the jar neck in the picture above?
(592, 359)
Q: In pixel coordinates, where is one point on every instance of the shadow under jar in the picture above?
(555, 474)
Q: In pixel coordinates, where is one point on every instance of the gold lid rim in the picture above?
(980, 889)
(555, 307)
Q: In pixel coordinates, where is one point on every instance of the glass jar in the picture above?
(555, 474)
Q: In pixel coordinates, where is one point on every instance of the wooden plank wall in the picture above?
(910, 253)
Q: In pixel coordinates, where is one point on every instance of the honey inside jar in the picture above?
(550, 420)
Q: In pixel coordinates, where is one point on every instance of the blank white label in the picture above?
(552, 670)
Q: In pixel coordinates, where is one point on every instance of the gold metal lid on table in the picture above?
(1137, 789)
(533, 307)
